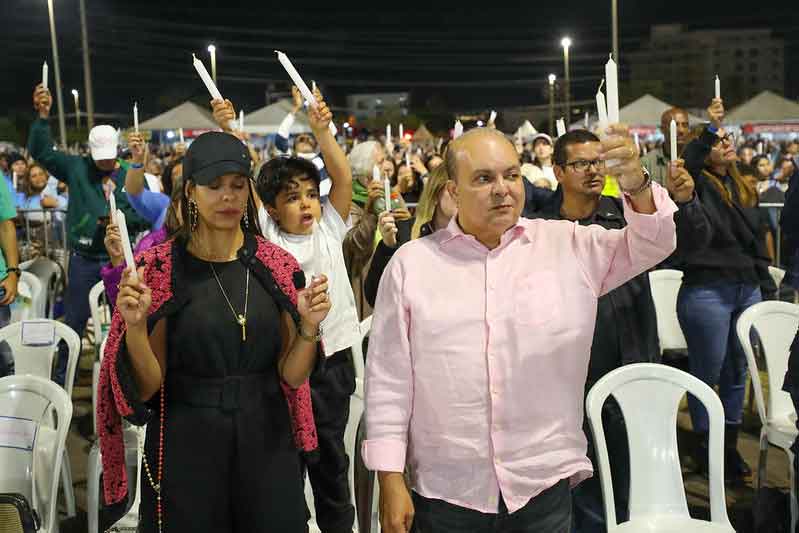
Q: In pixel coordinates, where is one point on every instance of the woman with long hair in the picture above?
(434, 211)
(721, 279)
(211, 346)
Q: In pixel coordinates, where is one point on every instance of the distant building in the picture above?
(371, 105)
(686, 62)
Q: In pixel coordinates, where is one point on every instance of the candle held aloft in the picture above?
(206, 78)
(718, 87)
(135, 118)
(561, 127)
(376, 175)
(300, 83)
(601, 109)
(241, 120)
(673, 140)
(388, 133)
(44, 75)
(126, 249)
(493, 117)
(612, 90)
(182, 140)
(401, 132)
(457, 130)
(387, 192)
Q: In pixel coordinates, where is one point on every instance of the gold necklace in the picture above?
(241, 319)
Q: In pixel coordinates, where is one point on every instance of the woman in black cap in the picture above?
(204, 340)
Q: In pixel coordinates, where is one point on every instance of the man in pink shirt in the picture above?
(480, 345)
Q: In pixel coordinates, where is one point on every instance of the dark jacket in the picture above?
(735, 250)
(87, 201)
(383, 255)
(626, 326)
(789, 223)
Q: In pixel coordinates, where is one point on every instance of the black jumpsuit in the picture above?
(230, 463)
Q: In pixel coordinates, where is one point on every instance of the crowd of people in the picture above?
(504, 278)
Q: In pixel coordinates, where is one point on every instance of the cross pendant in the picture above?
(242, 320)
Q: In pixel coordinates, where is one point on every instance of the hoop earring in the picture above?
(193, 216)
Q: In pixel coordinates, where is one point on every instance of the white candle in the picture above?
(718, 87)
(673, 140)
(135, 118)
(14, 180)
(637, 143)
(493, 117)
(388, 133)
(561, 127)
(760, 148)
(586, 120)
(387, 192)
(376, 174)
(401, 132)
(458, 130)
(601, 110)
(612, 90)
(44, 74)
(301, 85)
(209, 83)
(241, 120)
(408, 158)
(182, 140)
(127, 250)
(112, 202)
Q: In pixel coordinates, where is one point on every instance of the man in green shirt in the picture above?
(91, 180)
(9, 272)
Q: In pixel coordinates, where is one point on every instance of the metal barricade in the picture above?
(43, 234)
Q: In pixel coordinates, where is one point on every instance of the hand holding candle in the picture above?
(300, 83)
(718, 87)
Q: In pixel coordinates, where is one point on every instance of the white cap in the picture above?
(103, 141)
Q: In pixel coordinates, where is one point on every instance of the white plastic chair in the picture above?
(100, 314)
(776, 324)
(350, 434)
(38, 361)
(649, 396)
(34, 473)
(665, 286)
(777, 274)
(50, 274)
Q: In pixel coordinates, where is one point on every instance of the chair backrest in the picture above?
(50, 274)
(649, 396)
(100, 311)
(38, 295)
(35, 473)
(357, 350)
(38, 360)
(28, 303)
(776, 324)
(777, 274)
(665, 285)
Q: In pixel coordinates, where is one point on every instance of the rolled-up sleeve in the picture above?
(389, 376)
(610, 258)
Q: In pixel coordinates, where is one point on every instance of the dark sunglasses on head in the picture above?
(729, 138)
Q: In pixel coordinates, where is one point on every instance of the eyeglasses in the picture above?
(729, 139)
(581, 165)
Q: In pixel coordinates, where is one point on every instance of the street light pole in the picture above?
(77, 107)
(566, 43)
(62, 126)
(212, 50)
(614, 8)
(552, 79)
(87, 71)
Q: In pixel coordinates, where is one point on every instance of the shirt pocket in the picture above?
(538, 299)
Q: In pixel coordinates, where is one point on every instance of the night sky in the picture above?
(459, 57)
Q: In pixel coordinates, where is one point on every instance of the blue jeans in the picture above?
(6, 357)
(708, 316)
(549, 512)
(84, 273)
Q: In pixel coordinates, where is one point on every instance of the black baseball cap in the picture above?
(215, 154)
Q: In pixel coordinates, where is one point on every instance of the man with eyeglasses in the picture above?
(480, 345)
(304, 146)
(626, 327)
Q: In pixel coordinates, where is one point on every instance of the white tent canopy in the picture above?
(766, 106)
(526, 130)
(187, 115)
(645, 111)
(267, 119)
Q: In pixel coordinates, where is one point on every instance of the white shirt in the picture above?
(534, 173)
(321, 253)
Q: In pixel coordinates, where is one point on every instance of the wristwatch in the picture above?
(647, 182)
(14, 270)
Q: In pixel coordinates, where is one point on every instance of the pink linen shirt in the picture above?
(478, 358)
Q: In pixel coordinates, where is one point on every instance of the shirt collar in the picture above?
(454, 233)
